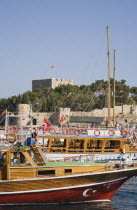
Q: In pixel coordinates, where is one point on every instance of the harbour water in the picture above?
(125, 198)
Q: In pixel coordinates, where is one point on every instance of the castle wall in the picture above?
(134, 109)
(23, 113)
(57, 82)
(39, 116)
(126, 109)
(64, 112)
(41, 83)
(98, 112)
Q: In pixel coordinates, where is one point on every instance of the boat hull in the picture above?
(91, 192)
(99, 192)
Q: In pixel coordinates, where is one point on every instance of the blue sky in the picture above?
(69, 34)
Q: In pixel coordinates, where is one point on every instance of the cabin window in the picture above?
(2, 162)
(67, 170)
(46, 172)
(113, 144)
(126, 142)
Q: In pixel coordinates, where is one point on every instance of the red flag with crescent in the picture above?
(63, 118)
(46, 124)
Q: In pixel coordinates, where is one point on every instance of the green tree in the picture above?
(43, 107)
(122, 93)
(25, 99)
(78, 98)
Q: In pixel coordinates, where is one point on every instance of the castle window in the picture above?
(34, 121)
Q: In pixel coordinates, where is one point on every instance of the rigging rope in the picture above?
(93, 96)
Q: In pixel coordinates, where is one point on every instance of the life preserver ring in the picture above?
(52, 130)
(77, 132)
(14, 129)
(14, 136)
(124, 133)
(97, 134)
(111, 132)
(64, 131)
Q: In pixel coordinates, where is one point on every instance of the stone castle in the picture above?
(51, 83)
(25, 117)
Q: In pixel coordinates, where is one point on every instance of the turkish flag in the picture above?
(52, 67)
(46, 124)
(63, 118)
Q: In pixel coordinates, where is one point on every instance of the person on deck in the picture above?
(34, 135)
(33, 139)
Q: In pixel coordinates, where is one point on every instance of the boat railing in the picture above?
(66, 167)
(117, 165)
(59, 163)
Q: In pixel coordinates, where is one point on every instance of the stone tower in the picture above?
(24, 113)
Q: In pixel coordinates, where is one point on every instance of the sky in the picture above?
(69, 34)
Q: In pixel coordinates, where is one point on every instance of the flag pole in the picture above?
(6, 122)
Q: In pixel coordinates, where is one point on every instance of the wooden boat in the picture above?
(27, 180)
(103, 144)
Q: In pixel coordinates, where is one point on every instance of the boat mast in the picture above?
(114, 90)
(108, 54)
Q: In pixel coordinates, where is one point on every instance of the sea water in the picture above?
(124, 199)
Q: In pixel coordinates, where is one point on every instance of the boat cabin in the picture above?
(77, 144)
